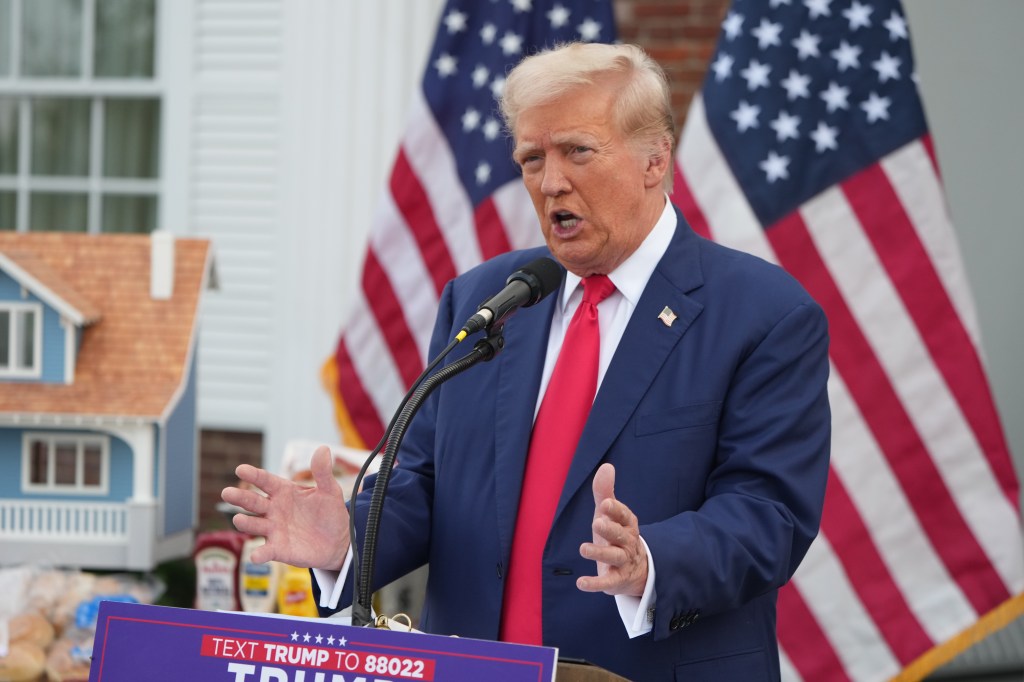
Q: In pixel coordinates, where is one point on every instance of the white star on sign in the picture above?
(775, 167)
(745, 116)
(877, 108)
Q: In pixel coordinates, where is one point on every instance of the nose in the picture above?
(554, 182)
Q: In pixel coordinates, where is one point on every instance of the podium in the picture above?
(164, 644)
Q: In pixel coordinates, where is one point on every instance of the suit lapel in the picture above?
(643, 349)
(518, 380)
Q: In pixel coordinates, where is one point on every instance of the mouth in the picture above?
(565, 224)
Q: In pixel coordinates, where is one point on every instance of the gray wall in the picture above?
(969, 58)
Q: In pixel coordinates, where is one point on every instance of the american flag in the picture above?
(808, 146)
(454, 197)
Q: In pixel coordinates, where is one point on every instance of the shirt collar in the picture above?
(630, 278)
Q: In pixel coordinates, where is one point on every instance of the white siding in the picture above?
(281, 124)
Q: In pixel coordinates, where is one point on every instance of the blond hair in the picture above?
(642, 109)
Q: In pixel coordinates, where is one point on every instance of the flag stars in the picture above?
(522, 5)
(483, 173)
(732, 25)
(836, 97)
(488, 33)
(480, 76)
(756, 74)
(455, 21)
(824, 137)
(491, 129)
(896, 25)
(779, 3)
(887, 66)
(722, 67)
(470, 120)
(818, 8)
(745, 116)
(858, 15)
(806, 45)
(445, 65)
(877, 108)
(847, 56)
(786, 126)
(767, 34)
(775, 167)
(589, 30)
(558, 16)
(796, 85)
(498, 86)
(511, 44)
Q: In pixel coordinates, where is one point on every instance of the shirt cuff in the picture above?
(637, 613)
(332, 583)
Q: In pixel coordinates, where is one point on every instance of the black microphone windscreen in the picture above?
(543, 275)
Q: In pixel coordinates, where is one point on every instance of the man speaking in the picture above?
(643, 467)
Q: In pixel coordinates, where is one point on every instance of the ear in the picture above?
(657, 163)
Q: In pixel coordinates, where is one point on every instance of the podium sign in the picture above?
(158, 643)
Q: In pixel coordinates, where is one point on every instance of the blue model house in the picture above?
(98, 437)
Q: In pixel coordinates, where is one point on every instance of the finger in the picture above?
(246, 499)
(610, 584)
(322, 466)
(253, 525)
(604, 484)
(613, 533)
(616, 512)
(261, 478)
(605, 554)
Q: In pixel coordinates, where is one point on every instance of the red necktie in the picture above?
(556, 432)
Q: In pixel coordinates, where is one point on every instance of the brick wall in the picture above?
(680, 34)
(220, 452)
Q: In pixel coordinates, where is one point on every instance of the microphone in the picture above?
(524, 287)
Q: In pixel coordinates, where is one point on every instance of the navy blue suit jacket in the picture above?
(718, 426)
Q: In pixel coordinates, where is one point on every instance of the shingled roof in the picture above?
(135, 350)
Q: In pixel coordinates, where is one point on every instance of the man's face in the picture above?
(595, 195)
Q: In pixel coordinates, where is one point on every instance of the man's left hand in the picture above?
(617, 548)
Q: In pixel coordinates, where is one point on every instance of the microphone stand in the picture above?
(484, 350)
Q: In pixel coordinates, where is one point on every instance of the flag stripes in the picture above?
(911, 486)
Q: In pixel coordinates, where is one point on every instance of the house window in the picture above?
(66, 463)
(20, 339)
(80, 116)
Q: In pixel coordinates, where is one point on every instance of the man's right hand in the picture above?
(303, 526)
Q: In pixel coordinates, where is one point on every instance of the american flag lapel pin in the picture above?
(667, 316)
